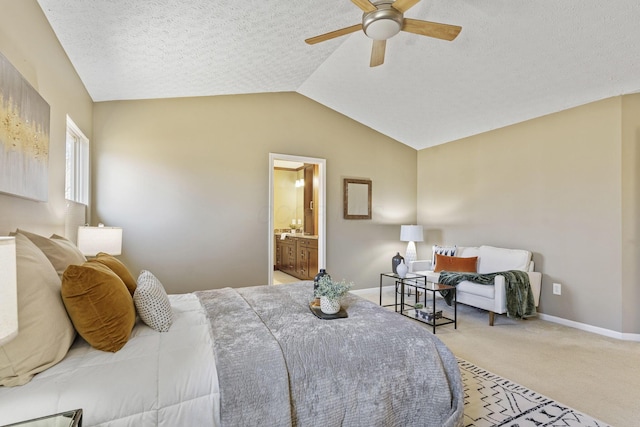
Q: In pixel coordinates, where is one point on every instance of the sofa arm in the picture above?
(500, 294)
(500, 291)
(535, 279)
(420, 265)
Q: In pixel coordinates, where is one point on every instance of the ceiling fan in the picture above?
(384, 19)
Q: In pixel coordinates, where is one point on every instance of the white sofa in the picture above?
(490, 260)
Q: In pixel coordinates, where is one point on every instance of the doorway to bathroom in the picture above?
(297, 217)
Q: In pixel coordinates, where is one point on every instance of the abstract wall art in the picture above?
(24, 136)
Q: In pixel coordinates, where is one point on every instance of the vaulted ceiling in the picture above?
(514, 59)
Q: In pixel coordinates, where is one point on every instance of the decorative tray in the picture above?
(315, 309)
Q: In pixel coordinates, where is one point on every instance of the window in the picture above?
(77, 165)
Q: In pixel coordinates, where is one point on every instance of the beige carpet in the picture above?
(594, 374)
(280, 278)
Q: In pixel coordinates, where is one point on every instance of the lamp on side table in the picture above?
(8, 290)
(92, 240)
(411, 234)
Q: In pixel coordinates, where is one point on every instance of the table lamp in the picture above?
(8, 290)
(411, 234)
(92, 240)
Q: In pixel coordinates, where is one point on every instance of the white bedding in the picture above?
(164, 379)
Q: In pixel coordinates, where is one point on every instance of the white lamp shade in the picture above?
(8, 290)
(411, 233)
(92, 240)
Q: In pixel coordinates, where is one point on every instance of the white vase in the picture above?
(402, 269)
(329, 305)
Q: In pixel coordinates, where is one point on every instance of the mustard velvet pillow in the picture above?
(457, 264)
(115, 265)
(58, 250)
(45, 332)
(99, 305)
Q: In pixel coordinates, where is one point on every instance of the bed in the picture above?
(166, 379)
(254, 356)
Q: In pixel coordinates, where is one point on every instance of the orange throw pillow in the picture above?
(115, 265)
(99, 305)
(457, 264)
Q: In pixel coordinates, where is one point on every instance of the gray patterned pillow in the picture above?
(152, 302)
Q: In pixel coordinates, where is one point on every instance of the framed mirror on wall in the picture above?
(357, 198)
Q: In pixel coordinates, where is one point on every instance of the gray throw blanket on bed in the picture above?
(279, 365)
(520, 302)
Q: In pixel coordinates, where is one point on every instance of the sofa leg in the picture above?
(492, 316)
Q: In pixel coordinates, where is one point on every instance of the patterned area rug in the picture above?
(490, 400)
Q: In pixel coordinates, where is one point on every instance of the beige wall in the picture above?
(26, 39)
(631, 213)
(563, 186)
(288, 200)
(285, 198)
(188, 180)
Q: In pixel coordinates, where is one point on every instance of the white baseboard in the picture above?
(590, 328)
(572, 324)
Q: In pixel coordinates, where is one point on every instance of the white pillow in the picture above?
(152, 302)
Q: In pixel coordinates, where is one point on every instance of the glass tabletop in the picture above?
(64, 419)
(407, 276)
(431, 286)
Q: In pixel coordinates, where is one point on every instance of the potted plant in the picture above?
(330, 292)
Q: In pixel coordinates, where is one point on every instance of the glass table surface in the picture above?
(64, 419)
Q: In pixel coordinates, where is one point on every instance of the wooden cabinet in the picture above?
(307, 258)
(286, 255)
(297, 256)
(278, 256)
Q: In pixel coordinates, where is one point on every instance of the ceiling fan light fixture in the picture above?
(382, 29)
(383, 19)
(383, 23)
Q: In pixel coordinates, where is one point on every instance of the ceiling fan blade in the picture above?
(365, 5)
(431, 29)
(403, 5)
(377, 53)
(334, 34)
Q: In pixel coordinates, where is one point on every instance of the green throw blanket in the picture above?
(520, 301)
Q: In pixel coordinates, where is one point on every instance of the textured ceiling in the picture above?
(514, 59)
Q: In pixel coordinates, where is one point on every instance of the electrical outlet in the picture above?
(557, 289)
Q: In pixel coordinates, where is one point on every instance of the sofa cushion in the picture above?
(494, 259)
(459, 264)
(464, 287)
(476, 289)
(432, 276)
